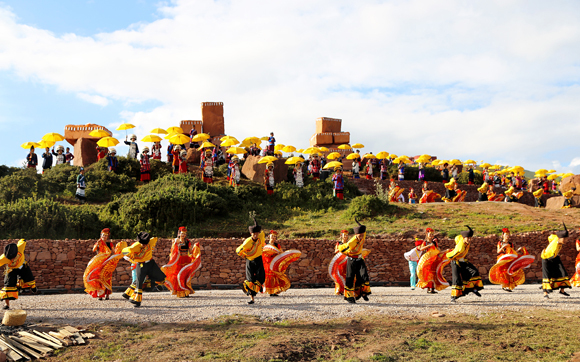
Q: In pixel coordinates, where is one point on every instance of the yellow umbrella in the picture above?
(268, 159)
(29, 145)
(485, 165)
(175, 130)
(251, 140)
(278, 153)
(300, 150)
(107, 142)
(289, 149)
(553, 177)
(200, 137)
(236, 151)
(99, 133)
(170, 135)
(344, 147)
(229, 142)
(311, 150)
(455, 162)
(44, 144)
(358, 145)
(425, 156)
(332, 164)
(323, 149)
(353, 156)
(369, 156)
(279, 147)
(52, 137)
(436, 162)
(294, 160)
(569, 174)
(123, 127)
(151, 138)
(382, 155)
(225, 138)
(333, 156)
(179, 139)
(392, 155)
(551, 171)
(265, 138)
(470, 162)
(159, 131)
(541, 171)
(207, 145)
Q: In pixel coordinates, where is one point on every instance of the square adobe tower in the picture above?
(212, 117)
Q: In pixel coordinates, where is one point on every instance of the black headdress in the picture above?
(255, 228)
(11, 251)
(143, 237)
(360, 229)
(563, 233)
(467, 233)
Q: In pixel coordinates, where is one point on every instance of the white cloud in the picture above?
(483, 80)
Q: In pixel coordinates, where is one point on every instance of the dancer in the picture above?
(567, 198)
(234, 167)
(511, 195)
(482, 192)
(184, 262)
(275, 264)
(412, 197)
(431, 264)
(554, 274)
(538, 198)
(298, 174)
(465, 276)
(207, 163)
(428, 195)
(145, 165)
(337, 266)
(493, 196)
(575, 281)
(413, 257)
(338, 182)
(508, 271)
(395, 191)
(269, 180)
(251, 250)
(141, 253)
(16, 267)
(450, 192)
(356, 284)
(98, 276)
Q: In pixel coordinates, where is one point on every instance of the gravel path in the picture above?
(306, 304)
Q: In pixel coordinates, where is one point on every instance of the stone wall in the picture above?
(59, 264)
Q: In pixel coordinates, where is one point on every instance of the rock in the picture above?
(571, 182)
(193, 157)
(44, 255)
(255, 171)
(556, 203)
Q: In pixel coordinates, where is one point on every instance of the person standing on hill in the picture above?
(31, 159)
(47, 160)
(269, 179)
(315, 166)
(271, 144)
(356, 168)
(251, 249)
(133, 147)
(101, 153)
(59, 154)
(338, 181)
(68, 156)
(470, 176)
(298, 174)
(357, 282)
(112, 162)
(81, 186)
(207, 165)
(145, 165)
(445, 173)
(156, 151)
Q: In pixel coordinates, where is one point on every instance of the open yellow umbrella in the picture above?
(382, 155)
(353, 156)
(99, 133)
(289, 149)
(542, 171)
(358, 145)
(28, 145)
(333, 156)
(225, 138)
(159, 131)
(294, 160)
(123, 127)
(175, 130)
(279, 147)
(551, 171)
(251, 140)
(553, 177)
(470, 162)
(311, 150)
(179, 139)
(170, 135)
(207, 145)
(436, 162)
(44, 144)
(278, 152)
(369, 156)
(268, 159)
(332, 164)
(200, 137)
(265, 138)
(152, 138)
(53, 137)
(455, 162)
(569, 174)
(107, 142)
(392, 155)
(323, 149)
(300, 150)
(236, 151)
(344, 147)
(485, 165)
(229, 142)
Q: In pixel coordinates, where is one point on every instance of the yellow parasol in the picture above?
(300, 150)
(107, 142)
(294, 160)
(279, 147)
(159, 131)
(344, 147)
(229, 142)
(382, 155)
(392, 155)
(201, 137)
(323, 149)
(369, 156)
(485, 165)
(123, 127)
(333, 156)
(332, 164)
(44, 144)
(29, 145)
(289, 149)
(251, 140)
(569, 174)
(268, 159)
(470, 162)
(151, 138)
(170, 135)
(225, 138)
(52, 137)
(207, 145)
(353, 156)
(236, 151)
(541, 171)
(311, 150)
(553, 177)
(551, 171)
(175, 130)
(358, 145)
(265, 138)
(99, 133)
(179, 139)
(455, 162)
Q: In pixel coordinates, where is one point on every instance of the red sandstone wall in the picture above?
(60, 264)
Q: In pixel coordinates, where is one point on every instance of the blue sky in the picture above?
(490, 80)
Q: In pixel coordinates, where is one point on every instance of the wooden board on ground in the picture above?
(11, 345)
(63, 339)
(40, 340)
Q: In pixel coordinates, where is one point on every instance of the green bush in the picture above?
(365, 206)
(315, 195)
(103, 184)
(21, 184)
(60, 178)
(160, 169)
(8, 170)
(463, 178)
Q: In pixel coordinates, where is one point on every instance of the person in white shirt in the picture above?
(413, 257)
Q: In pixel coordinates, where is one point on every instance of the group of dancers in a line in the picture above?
(266, 265)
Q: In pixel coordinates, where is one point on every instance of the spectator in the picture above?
(81, 186)
(60, 157)
(271, 144)
(445, 173)
(170, 154)
(401, 171)
(338, 183)
(31, 159)
(112, 161)
(470, 176)
(421, 172)
(175, 150)
(47, 160)
(356, 168)
(384, 170)
(133, 147)
(68, 156)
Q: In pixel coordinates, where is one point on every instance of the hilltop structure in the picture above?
(84, 144)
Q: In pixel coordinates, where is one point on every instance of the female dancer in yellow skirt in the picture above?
(184, 262)
(276, 262)
(509, 269)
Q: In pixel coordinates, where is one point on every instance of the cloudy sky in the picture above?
(490, 80)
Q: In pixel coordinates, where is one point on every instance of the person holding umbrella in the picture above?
(133, 147)
(112, 161)
(47, 160)
(31, 159)
(338, 181)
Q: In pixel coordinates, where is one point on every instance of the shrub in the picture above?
(365, 206)
(463, 178)
(8, 170)
(160, 169)
(21, 184)
(60, 178)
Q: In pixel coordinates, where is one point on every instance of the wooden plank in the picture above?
(60, 337)
(30, 344)
(48, 337)
(41, 340)
(10, 354)
(64, 332)
(87, 335)
(71, 329)
(29, 350)
(9, 343)
(78, 338)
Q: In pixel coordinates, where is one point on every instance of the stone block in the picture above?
(330, 125)
(255, 171)
(44, 255)
(556, 203)
(212, 117)
(342, 137)
(322, 139)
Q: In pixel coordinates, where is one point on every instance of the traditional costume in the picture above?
(357, 283)
(575, 281)
(183, 161)
(184, 262)
(145, 166)
(428, 195)
(16, 267)
(356, 168)
(251, 250)
(369, 170)
(141, 253)
(337, 266)
(68, 156)
(465, 276)
(170, 154)
(234, 168)
(269, 180)
(509, 269)
(384, 170)
(175, 158)
(133, 147)
(568, 199)
(412, 197)
(421, 176)
(512, 196)
(401, 172)
(275, 264)
(60, 157)
(98, 276)
(395, 191)
(482, 192)
(554, 274)
(81, 185)
(450, 192)
(315, 166)
(31, 159)
(338, 182)
(101, 153)
(538, 198)
(298, 174)
(431, 264)
(47, 160)
(492, 196)
(156, 151)
(207, 163)
(112, 162)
